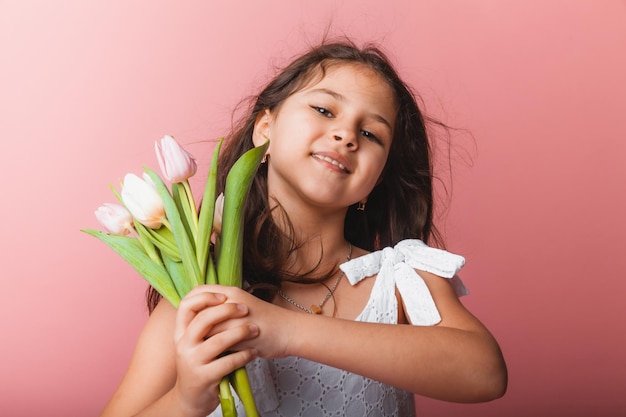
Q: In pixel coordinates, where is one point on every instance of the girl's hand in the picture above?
(275, 324)
(206, 327)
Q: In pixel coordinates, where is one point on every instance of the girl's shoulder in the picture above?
(397, 268)
(412, 252)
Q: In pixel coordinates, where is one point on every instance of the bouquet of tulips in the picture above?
(159, 231)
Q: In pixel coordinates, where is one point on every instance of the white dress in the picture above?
(293, 386)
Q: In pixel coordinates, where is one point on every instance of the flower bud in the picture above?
(217, 214)
(177, 165)
(142, 200)
(115, 218)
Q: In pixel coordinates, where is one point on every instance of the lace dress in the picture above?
(293, 386)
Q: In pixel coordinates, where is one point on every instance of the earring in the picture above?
(361, 206)
(264, 160)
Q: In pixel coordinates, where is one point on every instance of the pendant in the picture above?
(316, 309)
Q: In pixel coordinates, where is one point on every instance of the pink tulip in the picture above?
(217, 214)
(177, 165)
(115, 218)
(142, 200)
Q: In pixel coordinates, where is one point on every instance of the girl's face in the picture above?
(329, 141)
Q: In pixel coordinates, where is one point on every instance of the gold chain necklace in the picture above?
(317, 308)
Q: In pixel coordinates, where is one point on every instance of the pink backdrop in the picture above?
(86, 88)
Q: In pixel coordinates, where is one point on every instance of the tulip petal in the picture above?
(219, 213)
(115, 218)
(142, 200)
(177, 165)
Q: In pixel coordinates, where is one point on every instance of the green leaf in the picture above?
(176, 271)
(162, 238)
(188, 213)
(211, 273)
(238, 182)
(148, 242)
(186, 250)
(134, 253)
(207, 212)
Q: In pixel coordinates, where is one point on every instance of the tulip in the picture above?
(217, 216)
(142, 200)
(176, 258)
(177, 165)
(115, 218)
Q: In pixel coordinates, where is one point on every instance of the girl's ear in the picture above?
(261, 132)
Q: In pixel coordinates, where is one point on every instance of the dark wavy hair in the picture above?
(399, 207)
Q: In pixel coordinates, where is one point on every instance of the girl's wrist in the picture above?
(300, 333)
(290, 332)
(179, 407)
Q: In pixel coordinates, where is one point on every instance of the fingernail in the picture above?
(220, 297)
(242, 307)
(254, 329)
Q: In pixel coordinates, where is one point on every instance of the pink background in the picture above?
(86, 87)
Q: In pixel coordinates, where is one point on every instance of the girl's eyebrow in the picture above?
(332, 93)
(341, 97)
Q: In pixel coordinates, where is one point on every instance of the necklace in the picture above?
(317, 308)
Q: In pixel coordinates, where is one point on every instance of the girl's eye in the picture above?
(371, 136)
(323, 111)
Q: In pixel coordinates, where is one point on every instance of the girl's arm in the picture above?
(174, 370)
(456, 360)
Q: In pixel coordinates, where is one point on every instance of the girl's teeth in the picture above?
(329, 160)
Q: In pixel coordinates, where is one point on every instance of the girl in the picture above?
(347, 176)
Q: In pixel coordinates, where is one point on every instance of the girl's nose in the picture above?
(349, 140)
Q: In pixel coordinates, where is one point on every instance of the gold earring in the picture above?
(361, 206)
(264, 160)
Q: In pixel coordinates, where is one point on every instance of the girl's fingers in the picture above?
(195, 302)
(216, 345)
(207, 325)
(204, 298)
(230, 362)
(202, 325)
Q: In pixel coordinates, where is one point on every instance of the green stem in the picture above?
(191, 203)
(187, 209)
(167, 224)
(241, 383)
(164, 240)
(147, 243)
(211, 273)
(227, 401)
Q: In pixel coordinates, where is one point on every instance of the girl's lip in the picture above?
(333, 159)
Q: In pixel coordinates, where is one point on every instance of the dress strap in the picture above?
(397, 266)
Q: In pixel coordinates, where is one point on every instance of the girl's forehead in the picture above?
(355, 84)
(352, 82)
(348, 74)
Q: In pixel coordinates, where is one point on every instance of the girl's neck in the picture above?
(317, 258)
(318, 235)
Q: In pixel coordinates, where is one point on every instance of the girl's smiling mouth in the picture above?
(331, 161)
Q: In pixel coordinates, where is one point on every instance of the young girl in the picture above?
(346, 312)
